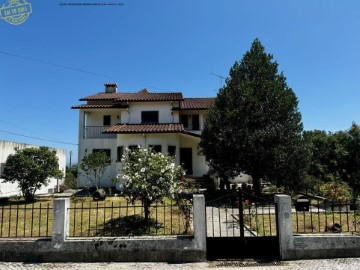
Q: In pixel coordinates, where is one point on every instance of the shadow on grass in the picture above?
(134, 225)
(20, 201)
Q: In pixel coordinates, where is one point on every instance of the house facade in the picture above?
(9, 189)
(112, 121)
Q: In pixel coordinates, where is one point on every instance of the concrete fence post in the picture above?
(200, 222)
(284, 225)
(61, 219)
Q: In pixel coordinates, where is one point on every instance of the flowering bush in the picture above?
(149, 177)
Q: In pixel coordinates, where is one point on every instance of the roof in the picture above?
(196, 103)
(145, 128)
(142, 95)
(102, 106)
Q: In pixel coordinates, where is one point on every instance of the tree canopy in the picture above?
(254, 126)
(335, 158)
(31, 168)
(94, 166)
(149, 177)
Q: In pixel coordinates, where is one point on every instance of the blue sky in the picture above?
(172, 46)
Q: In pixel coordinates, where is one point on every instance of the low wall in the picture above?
(293, 247)
(103, 250)
(325, 246)
(151, 249)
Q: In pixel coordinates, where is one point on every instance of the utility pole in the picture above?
(70, 158)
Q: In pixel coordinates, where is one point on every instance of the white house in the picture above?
(9, 189)
(112, 121)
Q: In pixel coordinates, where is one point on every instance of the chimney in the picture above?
(110, 87)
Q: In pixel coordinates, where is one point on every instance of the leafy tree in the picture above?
(327, 155)
(149, 177)
(352, 161)
(336, 191)
(31, 168)
(70, 177)
(94, 166)
(254, 126)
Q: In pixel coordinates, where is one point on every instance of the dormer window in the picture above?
(149, 117)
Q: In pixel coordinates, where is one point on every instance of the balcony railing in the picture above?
(96, 132)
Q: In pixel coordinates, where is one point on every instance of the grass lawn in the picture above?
(305, 222)
(112, 217)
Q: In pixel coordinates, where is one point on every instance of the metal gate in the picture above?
(241, 225)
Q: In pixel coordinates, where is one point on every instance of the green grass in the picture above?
(307, 222)
(112, 217)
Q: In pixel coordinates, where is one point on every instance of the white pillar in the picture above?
(61, 219)
(284, 225)
(200, 221)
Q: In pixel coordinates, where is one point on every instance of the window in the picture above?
(107, 120)
(195, 122)
(185, 120)
(119, 154)
(133, 147)
(149, 117)
(106, 151)
(156, 148)
(171, 150)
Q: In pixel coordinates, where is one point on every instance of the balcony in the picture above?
(96, 132)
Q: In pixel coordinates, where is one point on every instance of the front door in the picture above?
(186, 160)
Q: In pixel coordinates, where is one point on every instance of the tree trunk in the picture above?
(256, 185)
(147, 211)
(29, 197)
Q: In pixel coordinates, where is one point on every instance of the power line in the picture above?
(68, 67)
(54, 64)
(36, 138)
(27, 130)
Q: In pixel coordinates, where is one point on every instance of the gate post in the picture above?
(200, 222)
(61, 219)
(284, 225)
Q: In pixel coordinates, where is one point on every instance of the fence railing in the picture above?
(96, 132)
(255, 216)
(26, 221)
(328, 217)
(124, 219)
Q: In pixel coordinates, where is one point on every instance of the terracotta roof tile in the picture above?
(142, 95)
(85, 106)
(145, 128)
(196, 103)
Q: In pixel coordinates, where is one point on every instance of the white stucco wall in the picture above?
(95, 117)
(86, 146)
(134, 113)
(199, 164)
(7, 148)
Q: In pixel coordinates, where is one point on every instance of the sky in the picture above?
(64, 52)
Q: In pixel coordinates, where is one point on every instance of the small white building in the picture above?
(112, 121)
(9, 189)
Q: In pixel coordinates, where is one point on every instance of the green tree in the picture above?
(71, 177)
(94, 166)
(327, 155)
(149, 177)
(254, 126)
(352, 162)
(31, 168)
